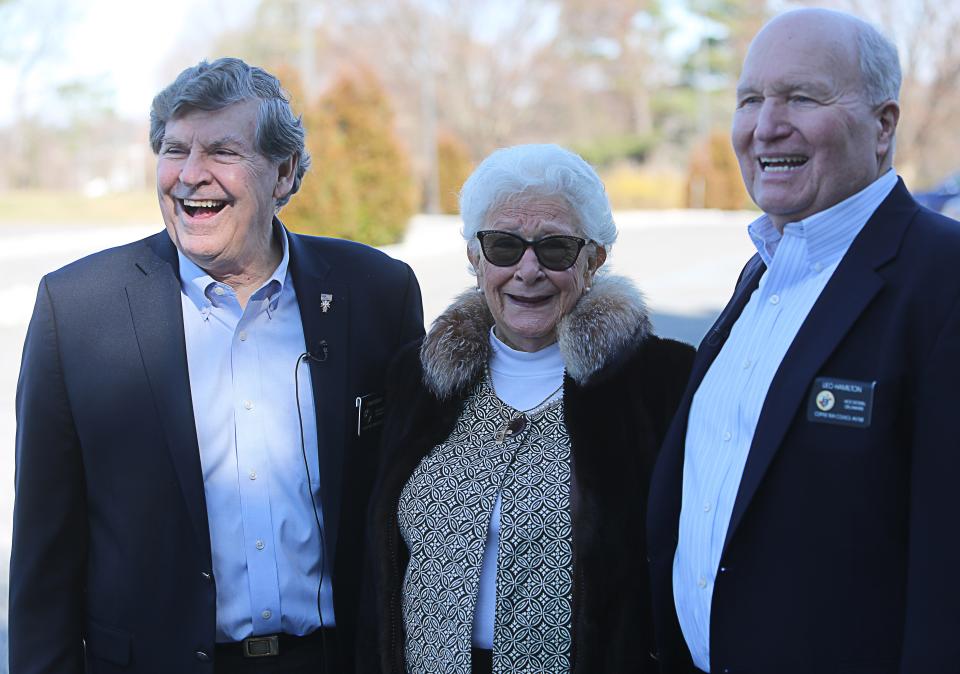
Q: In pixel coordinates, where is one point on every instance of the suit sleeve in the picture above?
(933, 619)
(412, 320)
(49, 550)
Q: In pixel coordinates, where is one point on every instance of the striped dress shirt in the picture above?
(726, 407)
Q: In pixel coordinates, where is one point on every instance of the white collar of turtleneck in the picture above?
(524, 379)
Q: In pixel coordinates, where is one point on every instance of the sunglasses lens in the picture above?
(557, 252)
(501, 249)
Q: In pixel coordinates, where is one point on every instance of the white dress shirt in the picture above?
(266, 545)
(726, 407)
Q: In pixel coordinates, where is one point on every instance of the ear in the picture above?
(286, 174)
(888, 115)
(595, 261)
(474, 258)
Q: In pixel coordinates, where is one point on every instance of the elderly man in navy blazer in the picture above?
(197, 415)
(802, 512)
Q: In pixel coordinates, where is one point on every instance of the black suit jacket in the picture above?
(111, 564)
(842, 545)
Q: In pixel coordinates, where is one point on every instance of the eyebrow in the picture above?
(227, 141)
(780, 88)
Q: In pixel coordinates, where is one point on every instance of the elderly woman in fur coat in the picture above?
(508, 525)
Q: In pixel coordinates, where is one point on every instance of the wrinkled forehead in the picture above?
(551, 213)
(236, 123)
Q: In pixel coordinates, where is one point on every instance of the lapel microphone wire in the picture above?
(303, 357)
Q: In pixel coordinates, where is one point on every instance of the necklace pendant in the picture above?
(511, 427)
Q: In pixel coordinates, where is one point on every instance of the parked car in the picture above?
(945, 197)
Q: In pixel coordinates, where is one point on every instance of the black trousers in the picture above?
(481, 661)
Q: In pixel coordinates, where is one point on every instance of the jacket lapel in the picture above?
(154, 298)
(848, 293)
(669, 467)
(716, 337)
(325, 332)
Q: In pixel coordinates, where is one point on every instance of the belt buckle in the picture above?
(261, 647)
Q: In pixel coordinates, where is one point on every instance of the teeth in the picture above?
(207, 203)
(780, 164)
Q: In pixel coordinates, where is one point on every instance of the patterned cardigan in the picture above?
(621, 388)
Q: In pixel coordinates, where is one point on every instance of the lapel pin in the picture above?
(326, 299)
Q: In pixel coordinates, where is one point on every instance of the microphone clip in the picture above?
(317, 359)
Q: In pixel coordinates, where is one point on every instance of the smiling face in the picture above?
(804, 134)
(526, 300)
(218, 193)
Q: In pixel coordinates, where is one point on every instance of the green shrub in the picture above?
(454, 167)
(609, 150)
(361, 186)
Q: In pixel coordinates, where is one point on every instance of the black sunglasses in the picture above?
(557, 252)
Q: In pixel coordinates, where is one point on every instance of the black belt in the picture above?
(272, 645)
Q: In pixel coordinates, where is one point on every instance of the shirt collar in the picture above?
(829, 233)
(198, 285)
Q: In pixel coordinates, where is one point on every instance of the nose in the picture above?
(528, 268)
(772, 121)
(194, 170)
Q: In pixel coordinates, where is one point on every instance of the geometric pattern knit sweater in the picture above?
(444, 515)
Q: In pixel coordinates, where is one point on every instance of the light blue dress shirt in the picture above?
(726, 407)
(266, 545)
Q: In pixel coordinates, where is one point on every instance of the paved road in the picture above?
(685, 261)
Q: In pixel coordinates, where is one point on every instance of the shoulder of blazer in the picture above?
(127, 261)
(344, 256)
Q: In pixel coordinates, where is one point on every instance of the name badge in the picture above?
(371, 409)
(843, 402)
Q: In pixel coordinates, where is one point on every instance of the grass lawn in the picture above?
(40, 207)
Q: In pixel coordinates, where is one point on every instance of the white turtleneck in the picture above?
(523, 380)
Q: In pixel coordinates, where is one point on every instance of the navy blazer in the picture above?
(842, 545)
(111, 567)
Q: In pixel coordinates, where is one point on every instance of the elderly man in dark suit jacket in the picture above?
(801, 512)
(197, 414)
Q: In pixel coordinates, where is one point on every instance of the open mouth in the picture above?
(782, 164)
(200, 208)
(529, 301)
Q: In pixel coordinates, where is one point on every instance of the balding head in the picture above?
(875, 55)
(815, 120)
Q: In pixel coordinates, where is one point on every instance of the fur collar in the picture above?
(604, 321)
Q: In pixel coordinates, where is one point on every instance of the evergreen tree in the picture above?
(455, 166)
(378, 165)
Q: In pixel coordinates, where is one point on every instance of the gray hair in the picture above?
(214, 86)
(879, 64)
(537, 171)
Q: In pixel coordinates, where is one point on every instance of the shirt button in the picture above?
(219, 290)
(248, 404)
(243, 335)
(747, 364)
(253, 475)
(706, 507)
(817, 266)
(260, 544)
(702, 583)
(726, 436)
(774, 299)
(266, 614)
